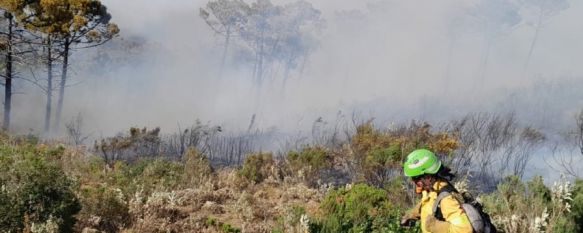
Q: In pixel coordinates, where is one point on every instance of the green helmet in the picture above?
(421, 162)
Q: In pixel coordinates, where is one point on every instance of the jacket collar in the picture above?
(438, 185)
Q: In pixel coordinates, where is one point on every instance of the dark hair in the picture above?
(445, 173)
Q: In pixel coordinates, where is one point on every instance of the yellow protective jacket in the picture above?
(456, 221)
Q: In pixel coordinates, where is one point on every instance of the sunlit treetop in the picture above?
(79, 20)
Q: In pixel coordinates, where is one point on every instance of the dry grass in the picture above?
(218, 201)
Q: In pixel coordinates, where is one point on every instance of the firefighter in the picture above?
(430, 177)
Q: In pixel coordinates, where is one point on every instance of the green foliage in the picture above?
(377, 153)
(386, 156)
(577, 205)
(290, 220)
(313, 157)
(146, 175)
(220, 226)
(227, 228)
(309, 162)
(196, 167)
(519, 207)
(139, 143)
(80, 21)
(565, 225)
(361, 208)
(257, 167)
(107, 205)
(160, 174)
(34, 189)
(538, 190)
(210, 221)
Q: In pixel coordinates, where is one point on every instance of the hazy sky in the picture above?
(387, 59)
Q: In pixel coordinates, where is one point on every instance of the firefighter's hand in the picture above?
(408, 222)
(411, 216)
(435, 226)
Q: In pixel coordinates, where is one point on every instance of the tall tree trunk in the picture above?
(62, 85)
(8, 83)
(534, 40)
(259, 74)
(485, 64)
(286, 75)
(225, 51)
(447, 77)
(260, 62)
(49, 87)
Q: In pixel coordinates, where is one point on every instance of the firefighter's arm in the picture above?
(411, 215)
(435, 226)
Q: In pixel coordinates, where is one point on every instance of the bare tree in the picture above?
(493, 146)
(225, 18)
(542, 11)
(138, 143)
(568, 154)
(89, 27)
(8, 47)
(273, 35)
(74, 130)
(178, 143)
(16, 44)
(231, 149)
(493, 19)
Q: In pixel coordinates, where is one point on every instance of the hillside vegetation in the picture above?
(354, 186)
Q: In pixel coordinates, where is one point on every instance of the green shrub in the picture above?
(227, 228)
(105, 204)
(378, 154)
(538, 190)
(516, 207)
(257, 167)
(565, 225)
(145, 175)
(309, 162)
(196, 167)
(384, 156)
(290, 220)
(34, 189)
(210, 221)
(220, 226)
(161, 174)
(577, 205)
(361, 208)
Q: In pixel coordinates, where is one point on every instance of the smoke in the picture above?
(392, 60)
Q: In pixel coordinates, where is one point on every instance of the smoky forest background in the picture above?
(286, 115)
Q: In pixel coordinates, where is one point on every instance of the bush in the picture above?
(140, 143)
(220, 226)
(34, 189)
(257, 167)
(290, 220)
(360, 208)
(378, 154)
(196, 167)
(308, 163)
(103, 209)
(160, 174)
(577, 206)
(144, 175)
(531, 207)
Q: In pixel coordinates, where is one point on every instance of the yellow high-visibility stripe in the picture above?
(460, 220)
